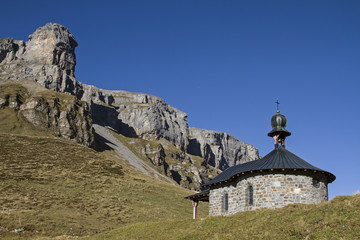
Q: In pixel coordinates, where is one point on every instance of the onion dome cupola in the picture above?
(278, 124)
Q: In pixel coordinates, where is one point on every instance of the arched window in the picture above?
(249, 195)
(226, 202)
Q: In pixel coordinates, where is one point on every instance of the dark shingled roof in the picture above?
(201, 196)
(278, 159)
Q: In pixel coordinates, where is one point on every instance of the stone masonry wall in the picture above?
(269, 191)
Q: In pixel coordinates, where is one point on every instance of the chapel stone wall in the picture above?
(268, 191)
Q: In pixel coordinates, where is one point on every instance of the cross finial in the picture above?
(277, 105)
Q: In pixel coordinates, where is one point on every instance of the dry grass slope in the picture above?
(59, 188)
(337, 219)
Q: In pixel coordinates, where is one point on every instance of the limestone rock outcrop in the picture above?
(70, 118)
(11, 49)
(156, 156)
(140, 115)
(187, 170)
(65, 115)
(150, 118)
(48, 58)
(220, 150)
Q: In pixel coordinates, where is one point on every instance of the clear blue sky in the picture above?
(224, 63)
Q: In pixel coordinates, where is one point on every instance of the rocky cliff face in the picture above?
(65, 115)
(48, 58)
(142, 115)
(220, 150)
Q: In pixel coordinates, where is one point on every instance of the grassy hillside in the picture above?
(55, 187)
(58, 188)
(337, 219)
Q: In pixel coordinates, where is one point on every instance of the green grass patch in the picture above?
(13, 90)
(13, 122)
(337, 219)
(48, 94)
(59, 188)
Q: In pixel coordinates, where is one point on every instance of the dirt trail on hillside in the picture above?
(126, 154)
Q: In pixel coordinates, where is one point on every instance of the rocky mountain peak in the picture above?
(47, 58)
(52, 44)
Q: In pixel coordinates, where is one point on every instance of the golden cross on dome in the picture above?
(277, 105)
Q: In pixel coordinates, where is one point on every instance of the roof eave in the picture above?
(330, 177)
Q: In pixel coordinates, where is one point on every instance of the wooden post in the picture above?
(195, 203)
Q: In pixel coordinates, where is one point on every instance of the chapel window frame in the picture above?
(249, 195)
(226, 202)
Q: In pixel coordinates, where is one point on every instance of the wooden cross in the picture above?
(277, 105)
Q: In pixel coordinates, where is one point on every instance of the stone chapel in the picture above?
(278, 179)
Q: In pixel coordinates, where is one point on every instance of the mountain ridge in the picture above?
(48, 58)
